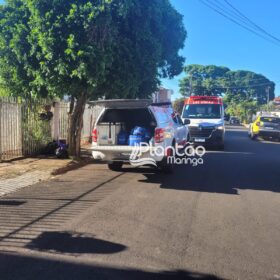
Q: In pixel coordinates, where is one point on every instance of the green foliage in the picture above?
(246, 85)
(244, 110)
(178, 105)
(269, 107)
(3, 92)
(203, 80)
(35, 131)
(237, 86)
(149, 38)
(88, 49)
(54, 47)
(116, 48)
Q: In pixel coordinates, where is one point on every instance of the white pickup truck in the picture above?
(164, 127)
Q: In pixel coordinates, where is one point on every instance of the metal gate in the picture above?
(22, 132)
(10, 129)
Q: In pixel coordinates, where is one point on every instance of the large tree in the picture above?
(203, 80)
(178, 104)
(88, 49)
(146, 49)
(236, 85)
(246, 85)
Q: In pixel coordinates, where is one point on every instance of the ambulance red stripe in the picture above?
(204, 100)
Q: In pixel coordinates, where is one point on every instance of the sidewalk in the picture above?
(26, 172)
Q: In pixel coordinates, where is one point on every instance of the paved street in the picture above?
(216, 221)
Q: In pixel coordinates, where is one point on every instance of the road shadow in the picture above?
(73, 243)
(11, 203)
(141, 170)
(244, 164)
(47, 207)
(15, 266)
(73, 165)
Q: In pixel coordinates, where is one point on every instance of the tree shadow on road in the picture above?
(15, 266)
(245, 164)
(11, 203)
(73, 243)
(222, 173)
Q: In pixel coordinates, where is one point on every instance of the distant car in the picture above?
(234, 120)
(266, 127)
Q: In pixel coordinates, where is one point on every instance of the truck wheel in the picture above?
(115, 166)
(166, 167)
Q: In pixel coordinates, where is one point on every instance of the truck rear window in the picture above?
(163, 115)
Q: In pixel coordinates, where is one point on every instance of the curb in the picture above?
(11, 185)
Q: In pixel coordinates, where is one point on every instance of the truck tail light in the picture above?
(169, 152)
(94, 135)
(159, 135)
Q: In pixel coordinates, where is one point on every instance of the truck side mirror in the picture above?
(187, 121)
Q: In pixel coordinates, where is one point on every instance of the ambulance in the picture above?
(205, 115)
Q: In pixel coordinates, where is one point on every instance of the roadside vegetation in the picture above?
(88, 50)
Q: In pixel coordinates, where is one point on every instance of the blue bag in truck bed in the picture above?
(135, 140)
(122, 138)
(137, 130)
(148, 135)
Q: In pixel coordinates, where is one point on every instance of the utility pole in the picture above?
(267, 96)
(191, 84)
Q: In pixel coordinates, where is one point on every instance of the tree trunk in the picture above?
(75, 124)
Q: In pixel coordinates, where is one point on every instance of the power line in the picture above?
(233, 20)
(243, 87)
(253, 23)
(225, 9)
(226, 15)
(257, 79)
(236, 18)
(221, 86)
(250, 80)
(229, 9)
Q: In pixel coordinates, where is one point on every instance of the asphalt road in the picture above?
(220, 220)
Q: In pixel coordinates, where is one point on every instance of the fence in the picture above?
(10, 129)
(60, 121)
(90, 116)
(24, 133)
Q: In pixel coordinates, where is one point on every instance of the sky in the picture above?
(212, 39)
